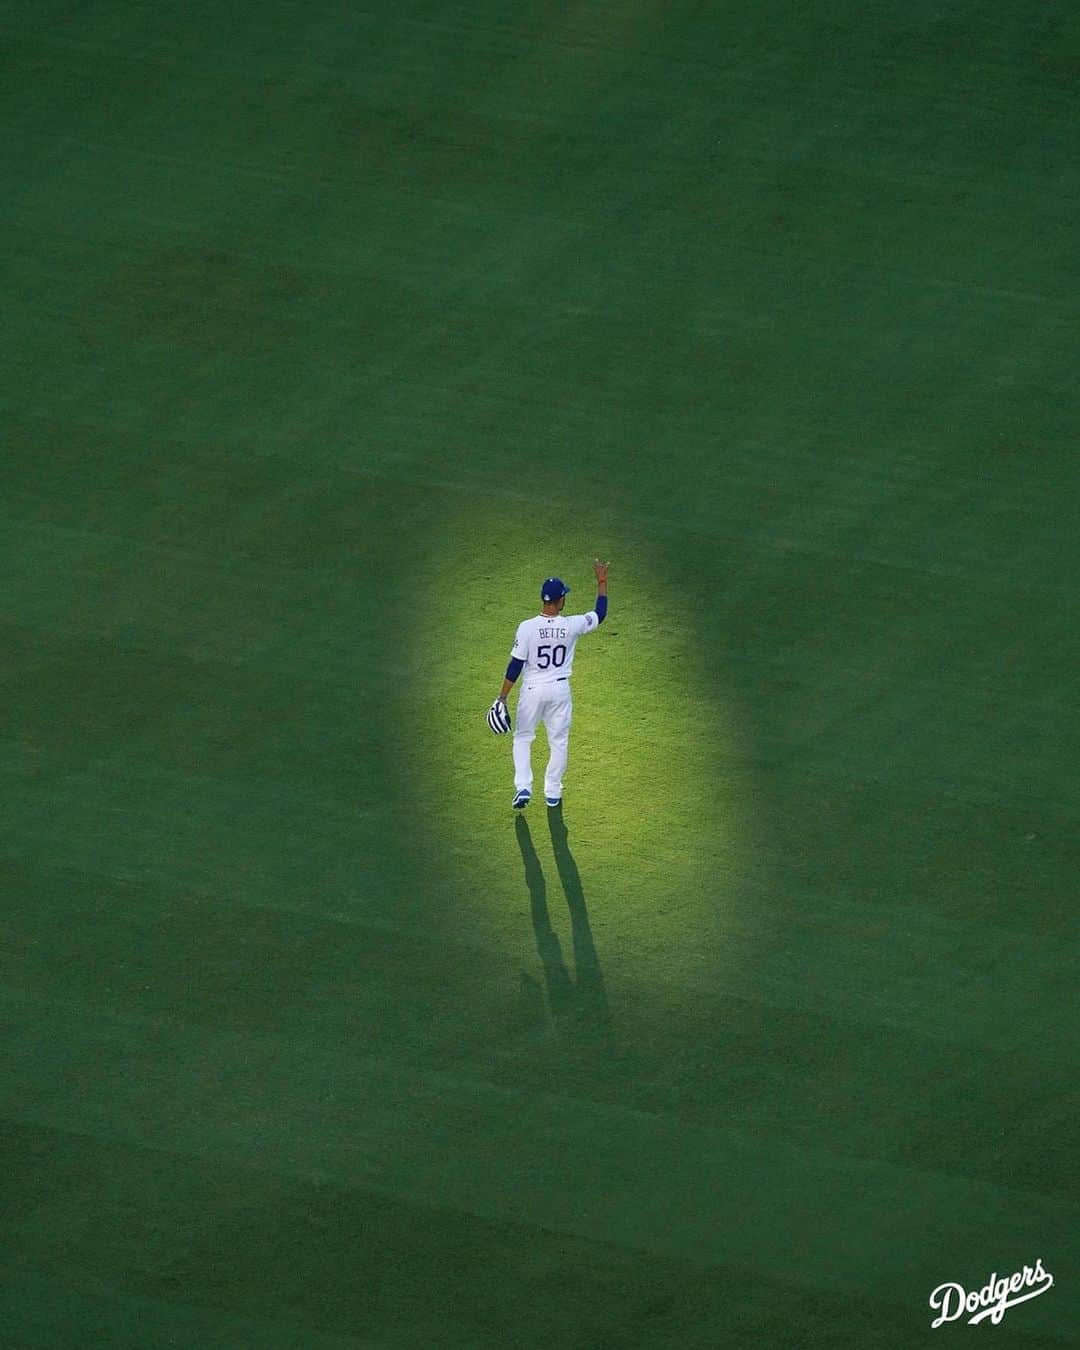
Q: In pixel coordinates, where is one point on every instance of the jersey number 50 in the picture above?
(550, 656)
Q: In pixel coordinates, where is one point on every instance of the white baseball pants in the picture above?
(551, 704)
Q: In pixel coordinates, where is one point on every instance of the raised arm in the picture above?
(601, 570)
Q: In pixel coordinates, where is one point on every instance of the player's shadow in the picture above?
(580, 1000)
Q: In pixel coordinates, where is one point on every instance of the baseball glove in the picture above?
(498, 717)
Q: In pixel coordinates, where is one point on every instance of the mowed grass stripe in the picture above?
(609, 1174)
(386, 203)
(211, 1251)
(640, 94)
(955, 541)
(51, 1302)
(232, 640)
(687, 1041)
(212, 835)
(228, 807)
(1031, 679)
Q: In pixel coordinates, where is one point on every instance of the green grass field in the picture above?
(329, 331)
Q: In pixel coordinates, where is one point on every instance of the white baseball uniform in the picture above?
(546, 645)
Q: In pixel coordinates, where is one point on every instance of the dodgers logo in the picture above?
(952, 1301)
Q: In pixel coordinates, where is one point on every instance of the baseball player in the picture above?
(544, 650)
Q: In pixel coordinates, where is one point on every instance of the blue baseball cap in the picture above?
(553, 588)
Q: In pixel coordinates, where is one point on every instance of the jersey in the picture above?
(546, 644)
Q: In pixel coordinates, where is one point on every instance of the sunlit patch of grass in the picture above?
(653, 806)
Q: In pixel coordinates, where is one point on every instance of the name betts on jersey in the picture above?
(546, 645)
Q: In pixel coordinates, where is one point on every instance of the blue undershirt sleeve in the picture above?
(514, 669)
(601, 608)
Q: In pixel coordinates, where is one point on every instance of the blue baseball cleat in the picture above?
(522, 799)
(553, 801)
